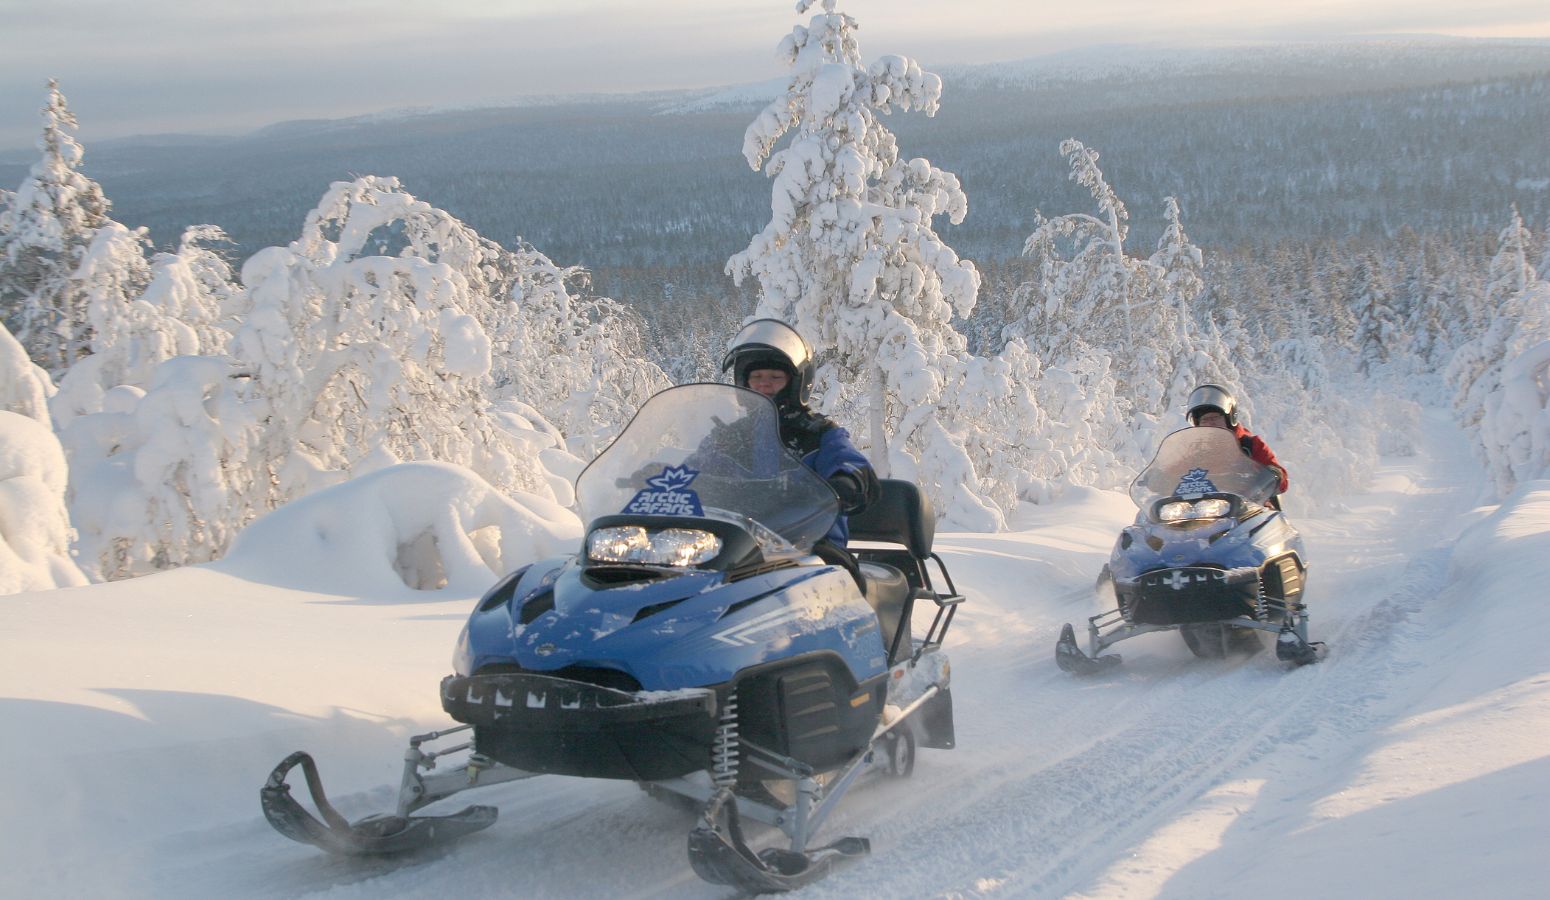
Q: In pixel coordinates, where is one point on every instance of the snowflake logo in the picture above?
(1195, 481)
(673, 478)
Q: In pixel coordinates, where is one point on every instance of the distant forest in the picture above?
(1267, 147)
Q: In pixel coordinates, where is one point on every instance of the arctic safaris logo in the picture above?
(1194, 482)
(668, 495)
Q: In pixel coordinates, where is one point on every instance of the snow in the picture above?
(144, 715)
(400, 529)
(34, 528)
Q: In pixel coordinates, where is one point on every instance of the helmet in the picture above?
(772, 344)
(1209, 397)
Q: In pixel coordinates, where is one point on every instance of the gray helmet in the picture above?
(1212, 397)
(772, 344)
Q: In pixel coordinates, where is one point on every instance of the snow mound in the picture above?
(34, 529)
(1509, 550)
(400, 530)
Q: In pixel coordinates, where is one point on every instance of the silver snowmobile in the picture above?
(1208, 557)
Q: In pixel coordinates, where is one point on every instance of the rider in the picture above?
(1212, 405)
(770, 357)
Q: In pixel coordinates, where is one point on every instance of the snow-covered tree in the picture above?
(850, 257)
(1515, 427)
(24, 387)
(34, 530)
(1179, 269)
(1475, 370)
(1088, 426)
(360, 359)
(166, 476)
(195, 286)
(579, 359)
(1146, 317)
(123, 337)
(1092, 293)
(46, 228)
(1378, 334)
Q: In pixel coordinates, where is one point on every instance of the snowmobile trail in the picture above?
(1167, 776)
(1058, 781)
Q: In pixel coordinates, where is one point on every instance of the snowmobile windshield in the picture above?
(1196, 461)
(711, 451)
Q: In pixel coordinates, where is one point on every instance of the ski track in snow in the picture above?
(1057, 784)
(1081, 770)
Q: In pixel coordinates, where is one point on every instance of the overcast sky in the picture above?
(223, 66)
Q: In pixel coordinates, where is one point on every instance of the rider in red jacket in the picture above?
(1211, 405)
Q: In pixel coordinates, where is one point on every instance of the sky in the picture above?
(195, 66)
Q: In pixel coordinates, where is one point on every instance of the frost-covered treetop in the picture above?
(851, 222)
(55, 200)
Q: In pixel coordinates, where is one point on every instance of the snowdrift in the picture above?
(409, 527)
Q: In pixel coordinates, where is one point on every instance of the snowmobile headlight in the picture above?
(667, 547)
(1183, 511)
(1215, 508)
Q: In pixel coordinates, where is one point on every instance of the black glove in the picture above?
(801, 429)
(857, 489)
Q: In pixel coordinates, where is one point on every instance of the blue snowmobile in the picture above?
(694, 645)
(1209, 556)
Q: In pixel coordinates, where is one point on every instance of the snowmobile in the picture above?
(695, 645)
(1209, 556)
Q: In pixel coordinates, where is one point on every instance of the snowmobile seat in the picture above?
(889, 593)
(901, 515)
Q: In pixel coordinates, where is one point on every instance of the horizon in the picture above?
(198, 72)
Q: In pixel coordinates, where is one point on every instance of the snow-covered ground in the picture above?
(142, 716)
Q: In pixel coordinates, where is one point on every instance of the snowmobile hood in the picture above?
(688, 629)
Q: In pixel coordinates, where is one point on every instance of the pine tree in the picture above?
(46, 228)
(850, 258)
(1378, 335)
(1475, 370)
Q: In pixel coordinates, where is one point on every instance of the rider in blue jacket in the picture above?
(770, 357)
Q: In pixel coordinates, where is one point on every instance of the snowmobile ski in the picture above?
(1071, 659)
(375, 835)
(719, 854)
(1294, 648)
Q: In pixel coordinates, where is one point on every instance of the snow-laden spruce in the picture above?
(46, 227)
(850, 258)
(1475, 370)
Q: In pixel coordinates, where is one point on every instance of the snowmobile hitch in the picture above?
(385, 834)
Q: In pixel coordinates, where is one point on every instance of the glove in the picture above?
(857, 489)
(850, 491)
(801, 429)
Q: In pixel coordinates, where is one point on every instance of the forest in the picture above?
(1010, 294)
